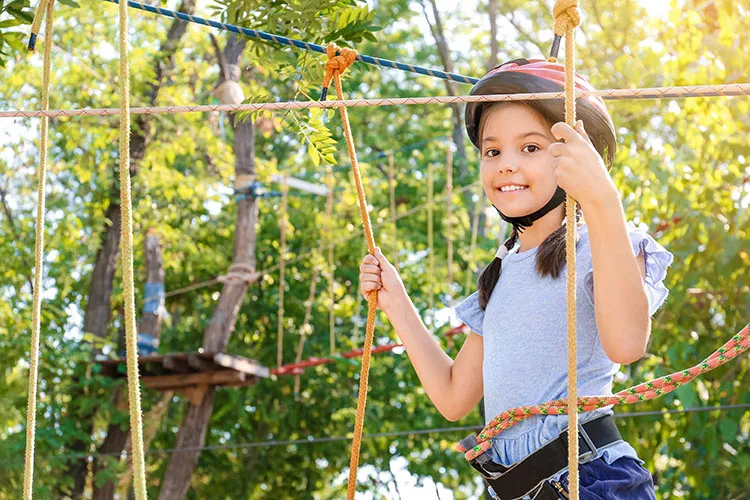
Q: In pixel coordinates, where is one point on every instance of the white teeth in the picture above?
(505, 189)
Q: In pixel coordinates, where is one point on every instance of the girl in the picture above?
(516, 353)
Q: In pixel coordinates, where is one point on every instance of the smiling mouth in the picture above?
(506, 190)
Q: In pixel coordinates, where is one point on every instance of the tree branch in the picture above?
(524, 36)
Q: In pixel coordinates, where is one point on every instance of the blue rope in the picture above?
(299, 44)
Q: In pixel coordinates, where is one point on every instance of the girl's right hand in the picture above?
(377, 274)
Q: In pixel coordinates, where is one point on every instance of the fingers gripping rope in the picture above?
(343, 59)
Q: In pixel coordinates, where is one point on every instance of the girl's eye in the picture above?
(531, 148)
(492, 153)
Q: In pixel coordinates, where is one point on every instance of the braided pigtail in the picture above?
(491, 274)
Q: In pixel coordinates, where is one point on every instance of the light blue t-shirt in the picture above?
(524, 329)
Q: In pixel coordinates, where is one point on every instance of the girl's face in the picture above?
(517, 169)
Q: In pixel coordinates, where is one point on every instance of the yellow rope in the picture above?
(336, 65)
(153, 420)
(28, 479)
(431, 246)
(472, 247)
(41, 9)
(392, 191)
(282, 267)
(567, 17)
(134, 390)
(331, 266)
(449, 208)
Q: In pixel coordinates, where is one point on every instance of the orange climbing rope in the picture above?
(338, 61)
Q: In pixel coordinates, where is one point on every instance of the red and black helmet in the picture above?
(536, 76)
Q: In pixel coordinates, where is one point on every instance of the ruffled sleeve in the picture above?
(657, 259)
(470, 313)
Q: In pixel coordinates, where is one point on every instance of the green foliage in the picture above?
(676, 158)
(13, 14)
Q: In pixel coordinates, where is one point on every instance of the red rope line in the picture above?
(299, 368)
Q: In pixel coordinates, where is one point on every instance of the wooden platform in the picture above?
(190, 373)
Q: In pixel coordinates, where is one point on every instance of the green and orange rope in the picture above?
(645, 391)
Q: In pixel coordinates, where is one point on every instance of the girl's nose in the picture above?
(507, 167)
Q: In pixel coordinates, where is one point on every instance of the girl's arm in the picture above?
(620, 301)
(454, 387)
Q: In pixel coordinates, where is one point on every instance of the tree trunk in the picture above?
(151, 426)
(451, 87)
(494, 49)
(458, 126)
(150, 324)
(216, 336)
(99, 303)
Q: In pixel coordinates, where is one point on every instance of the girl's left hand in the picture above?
(579, 168)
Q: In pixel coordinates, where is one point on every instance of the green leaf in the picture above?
(728, 429)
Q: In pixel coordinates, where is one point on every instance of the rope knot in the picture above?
(338, 61)
(242, 273)
(566, 15)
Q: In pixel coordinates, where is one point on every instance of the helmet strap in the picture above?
(521, 223)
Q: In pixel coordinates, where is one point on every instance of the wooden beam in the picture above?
(249, 366)
(220, 377)
(249, 381)
(177, 363)
(194, 393)
(197, 362)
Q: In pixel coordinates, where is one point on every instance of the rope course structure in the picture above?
(282, 40)
(676, 92)
(566, 19)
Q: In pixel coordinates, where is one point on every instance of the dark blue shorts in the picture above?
(624, 479)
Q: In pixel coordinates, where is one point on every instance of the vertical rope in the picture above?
(41, 10)
(357, 307)
(431, 246)
(472, 247)
(570, 259)
(449, 208)
(134, 389)
(334, 67)
(331, 266)
(306, 328)
(567, 18)
(282, 268)
(392, 191)
(28, 478)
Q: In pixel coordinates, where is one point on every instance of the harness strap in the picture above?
(527, 476)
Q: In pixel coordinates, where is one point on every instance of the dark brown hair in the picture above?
(550, 257)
